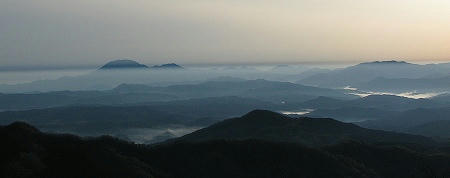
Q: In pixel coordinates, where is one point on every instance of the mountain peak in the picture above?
(123, 64)
(260, 114)
(391, 62)
(22, 128)
(272, 126)
(167, 66)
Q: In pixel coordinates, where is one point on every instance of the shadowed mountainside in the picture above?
(26, 152)
(270, 126)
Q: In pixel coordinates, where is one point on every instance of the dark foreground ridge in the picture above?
(27, 152)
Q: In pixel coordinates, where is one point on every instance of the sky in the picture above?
(92, 32)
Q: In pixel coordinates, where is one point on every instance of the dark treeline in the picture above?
(27, 152)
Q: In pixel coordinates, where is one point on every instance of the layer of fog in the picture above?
(150, 135)
(297, 112)
(136, 135)
(410, 94)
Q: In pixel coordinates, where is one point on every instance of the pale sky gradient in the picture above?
(91, 32)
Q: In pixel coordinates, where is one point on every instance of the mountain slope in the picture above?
(27, 152)
(270, 126)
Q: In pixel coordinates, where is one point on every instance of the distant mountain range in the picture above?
(106, 77)
(273, 91)
(288, 94)
(395, 76)
(209, 102)
(109, 119)
(359, 75)
(131, 64)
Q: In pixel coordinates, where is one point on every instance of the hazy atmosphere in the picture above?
(225, 88)
(49, 33)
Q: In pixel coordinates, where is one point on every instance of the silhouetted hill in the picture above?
(26, 152)
(167, 66)
(123, 64)
(270, 126)
(392, 62)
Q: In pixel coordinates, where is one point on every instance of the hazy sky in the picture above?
(91, 32)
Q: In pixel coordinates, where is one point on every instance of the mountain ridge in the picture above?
(171, 66)
(27, 152)
(123, 64)
(271, 126)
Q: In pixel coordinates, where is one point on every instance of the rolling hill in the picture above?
(27, 152)
(271, 126)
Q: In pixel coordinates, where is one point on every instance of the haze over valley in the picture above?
(225, 88)
(153, 100)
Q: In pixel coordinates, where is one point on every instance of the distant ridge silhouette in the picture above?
(123, 64)
(167, 66)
